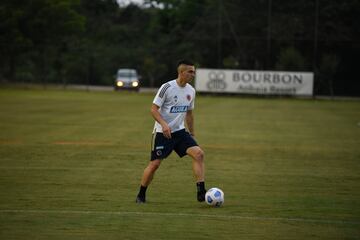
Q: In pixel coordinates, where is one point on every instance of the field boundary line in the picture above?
(65, 168)
(173, 214)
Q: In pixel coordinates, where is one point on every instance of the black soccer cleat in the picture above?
(140, 199)
(201, 196)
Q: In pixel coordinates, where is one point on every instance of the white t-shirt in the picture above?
(174, 101)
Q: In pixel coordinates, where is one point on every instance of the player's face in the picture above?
(189, 73)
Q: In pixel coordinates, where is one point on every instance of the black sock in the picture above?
(142, 191)
(200, 186)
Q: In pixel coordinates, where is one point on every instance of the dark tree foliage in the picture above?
(86, 41)
(35, 36)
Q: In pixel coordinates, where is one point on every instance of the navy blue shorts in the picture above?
(180, 141)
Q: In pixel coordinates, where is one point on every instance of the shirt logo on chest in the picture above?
(178, 109)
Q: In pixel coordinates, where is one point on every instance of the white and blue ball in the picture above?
(214, 197)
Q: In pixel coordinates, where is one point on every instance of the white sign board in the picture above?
(254, 82)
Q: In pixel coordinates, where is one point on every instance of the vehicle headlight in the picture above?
(119, 84)
(135, 84)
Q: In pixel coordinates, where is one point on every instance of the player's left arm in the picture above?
(190, 122)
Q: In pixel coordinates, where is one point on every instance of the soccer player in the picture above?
(173, 106)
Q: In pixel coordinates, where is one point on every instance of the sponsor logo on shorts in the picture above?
(159, 147)
(158, 152)
(178, 109)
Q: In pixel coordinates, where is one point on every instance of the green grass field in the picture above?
(71, 164)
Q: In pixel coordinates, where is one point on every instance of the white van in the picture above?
(127, 78)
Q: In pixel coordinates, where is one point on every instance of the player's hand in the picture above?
(166, 130)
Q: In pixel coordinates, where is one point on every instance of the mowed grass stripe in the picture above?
(177, 214)
(144, 147)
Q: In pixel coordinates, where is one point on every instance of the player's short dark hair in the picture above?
(185, 62)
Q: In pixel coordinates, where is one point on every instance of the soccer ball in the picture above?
(214, 197)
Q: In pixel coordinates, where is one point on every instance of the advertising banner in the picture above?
(254, 82)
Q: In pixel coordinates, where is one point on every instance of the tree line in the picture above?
(86, 41)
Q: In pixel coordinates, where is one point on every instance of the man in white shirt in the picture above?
(171, 108)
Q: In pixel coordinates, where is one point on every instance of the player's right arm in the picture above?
(157, 116)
